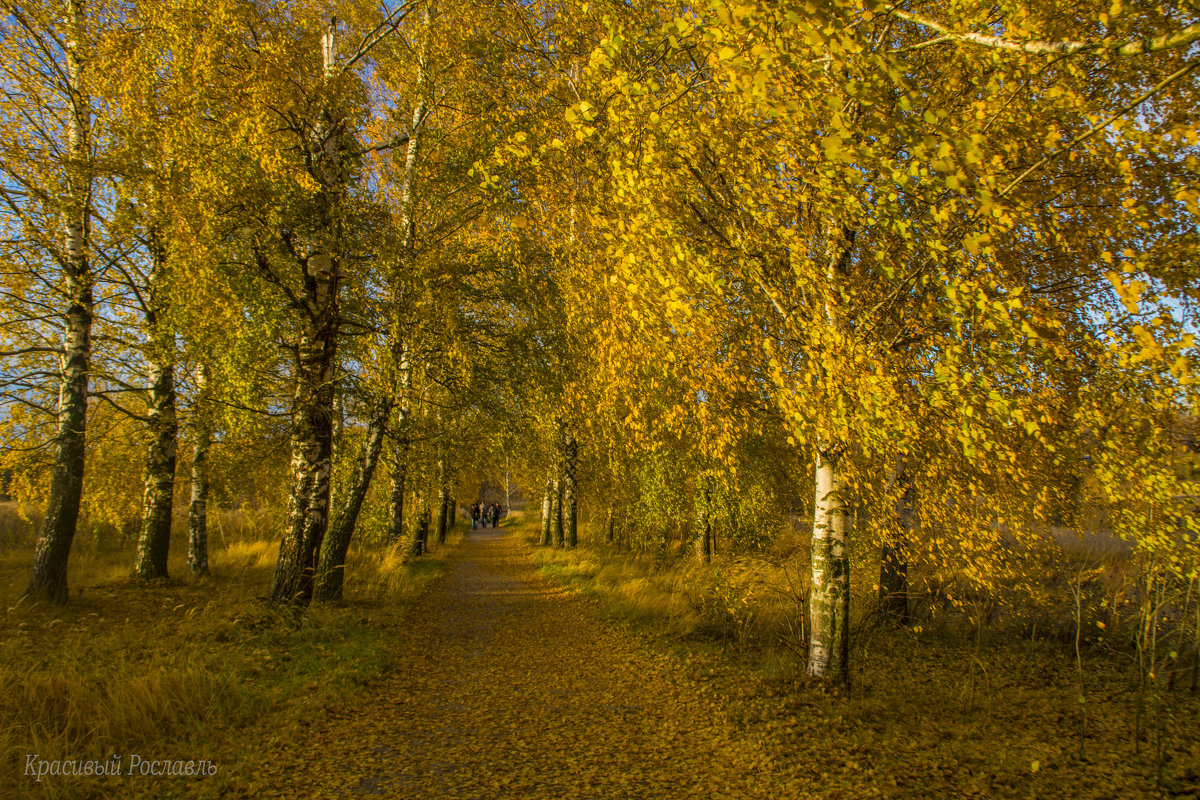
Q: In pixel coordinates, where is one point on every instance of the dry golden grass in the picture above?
(744, 603)
(185, 669)
(937, 709)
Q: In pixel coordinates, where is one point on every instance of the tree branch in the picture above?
(376, 35)
(1137, 101)
(1132, 47)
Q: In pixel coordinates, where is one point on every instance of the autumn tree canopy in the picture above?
(923, 274)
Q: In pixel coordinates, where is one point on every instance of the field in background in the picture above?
(191, 669)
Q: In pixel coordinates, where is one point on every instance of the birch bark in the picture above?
(49, 575)
(198, 508)
(408, 226)
(828, 653)
(443, 499)
(400, 453)
(829, 607)
(158, 498)
(316, 356)
(395, 533)
(556, 513)
(337, 541)
(547, 508)
(569, 501)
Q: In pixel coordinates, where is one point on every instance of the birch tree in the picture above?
(49, 173)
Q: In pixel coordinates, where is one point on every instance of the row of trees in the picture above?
(259, 220)
(695, 269)
(941, 262)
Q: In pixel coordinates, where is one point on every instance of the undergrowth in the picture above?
(194, 669)
(960, 703)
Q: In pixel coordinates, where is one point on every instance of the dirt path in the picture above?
(508, 686)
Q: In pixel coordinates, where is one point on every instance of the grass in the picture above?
(933, 710)
(190, 669)
(742, 604)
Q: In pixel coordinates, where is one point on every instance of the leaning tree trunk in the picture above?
(316, 358)
(893, 563)
(570, 494)
(48, 580)
(547, 506)
(829, 647)
(158, 499)
(337, 540)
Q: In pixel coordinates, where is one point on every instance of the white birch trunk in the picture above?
(829, 604)
(159, 494)
(507, 487)
(316, 359)
(400, 465)
(420, 112)
(399, 488)
(556, 513)
(198, 508)
(48, 580)
(570, 492)
(828, 653)
(547, 508)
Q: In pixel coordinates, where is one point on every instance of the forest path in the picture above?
(508, 686)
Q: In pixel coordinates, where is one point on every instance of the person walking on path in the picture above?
(475, 515)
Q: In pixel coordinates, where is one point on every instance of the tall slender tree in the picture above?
(49, 578)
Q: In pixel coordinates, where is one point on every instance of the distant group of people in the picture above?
(482, 514)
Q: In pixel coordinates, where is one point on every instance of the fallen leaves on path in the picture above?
(507, 686)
